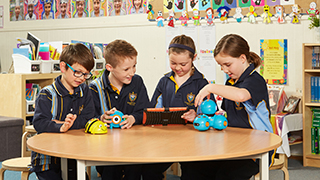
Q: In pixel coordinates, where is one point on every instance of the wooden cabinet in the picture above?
(308, 158)
(13, 92)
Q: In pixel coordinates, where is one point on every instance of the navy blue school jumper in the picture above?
(131, 100)
(54, 103)
(168, 94)
(253, 113)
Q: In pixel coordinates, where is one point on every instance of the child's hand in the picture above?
(68, 122)
(106, 118)
(202, 94)
(190, 115)
(127, 124)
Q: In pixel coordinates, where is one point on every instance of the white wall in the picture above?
(149, 40)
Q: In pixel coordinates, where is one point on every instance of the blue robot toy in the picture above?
(204, 122)
(116, 119)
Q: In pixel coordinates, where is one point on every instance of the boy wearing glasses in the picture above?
(63, 105)
(120, 88)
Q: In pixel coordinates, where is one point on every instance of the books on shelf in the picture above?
(315, 88)
(315, 130)
(315, 57)
(32, 91)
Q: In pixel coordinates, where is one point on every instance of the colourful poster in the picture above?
(98, 8)
(244, 3)
(274, 54)
(16, 10)
(45, 9)
(273, 2)
(168, 5)
(217, 3)
(204, 4)
(31, 9)
(117, 7)
(287, 2)
(79, 8)
(257, 3)
(62, 9)
(137, 6)
(192, 4)
(179, 5)
(231, 3)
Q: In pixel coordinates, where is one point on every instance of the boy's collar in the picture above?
(62, 90)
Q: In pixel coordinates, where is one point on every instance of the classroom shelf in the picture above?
(13, 92)
(308, 158)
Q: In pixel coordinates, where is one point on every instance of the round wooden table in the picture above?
(146, 144)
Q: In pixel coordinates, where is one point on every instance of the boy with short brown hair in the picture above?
(120, 88)
(65, 104)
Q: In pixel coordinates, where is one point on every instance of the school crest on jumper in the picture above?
(238, 107)
(80, 109)
(132, 98)
(190, 99)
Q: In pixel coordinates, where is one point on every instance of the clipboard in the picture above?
(35, 48)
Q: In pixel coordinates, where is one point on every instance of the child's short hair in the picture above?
(183, 40)
(77, 53)
(117, 51)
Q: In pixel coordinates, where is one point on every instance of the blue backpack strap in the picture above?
(45, 160)
(53, 93)
(102, 96)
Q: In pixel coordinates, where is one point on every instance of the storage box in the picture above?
(46, 66)
(99, 64)
(55, 66)
(30, 107)
(22, 64)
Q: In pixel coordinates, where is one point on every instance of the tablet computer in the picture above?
(164, 116)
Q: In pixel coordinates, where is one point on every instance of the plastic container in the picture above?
(23, 65)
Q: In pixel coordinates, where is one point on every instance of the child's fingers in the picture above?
(208, 96)
(198, 100)
(106, 121)
(126, 125)
(69, 116)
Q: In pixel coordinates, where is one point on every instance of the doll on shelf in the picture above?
(279, 9)
(266, 15)
(160, 19)
(251, 15)
(184, 18)
(295, 14)
(196, 17)
(171, 19)
(238, 15)
(209, 17)
(312, 11)
(223, 13)
(150, 12)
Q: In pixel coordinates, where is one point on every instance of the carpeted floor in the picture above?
(296, 172)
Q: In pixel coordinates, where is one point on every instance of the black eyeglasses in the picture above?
(79, 73)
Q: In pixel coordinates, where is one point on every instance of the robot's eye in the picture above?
(105, 125)
(116, 119)
(196, 124)
(100, 125)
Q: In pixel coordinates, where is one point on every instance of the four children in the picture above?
(119, 88)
